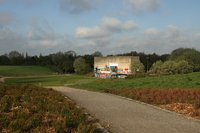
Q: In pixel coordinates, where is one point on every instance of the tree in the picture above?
(169, 67)
(157, 67)
(183, 67)
(189, 55)
(4, 60)
(80, 66)
(16, 58)
(97, 54)
(64, 61)
(137, 67)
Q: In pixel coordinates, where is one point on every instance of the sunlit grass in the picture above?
(191, 80)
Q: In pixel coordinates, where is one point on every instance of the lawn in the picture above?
(56, 80)
(191, 80)
(24, 70)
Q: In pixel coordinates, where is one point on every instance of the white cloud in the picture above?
(139, 6)
(152, 31)
(97, 32)
(108, 26)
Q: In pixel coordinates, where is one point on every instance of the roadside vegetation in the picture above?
(35, 109)
(184, 101)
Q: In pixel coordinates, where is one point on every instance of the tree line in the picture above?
(70, 62)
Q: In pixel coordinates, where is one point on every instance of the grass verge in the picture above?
(191, 80)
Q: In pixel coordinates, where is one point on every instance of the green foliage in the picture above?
(137, 67)
(183, 67)
(64, 61)
(189, 55)
(157, 67)
(80, 66)
(171, 67)
(16, 58)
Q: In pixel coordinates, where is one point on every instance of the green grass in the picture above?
(191, 80)
(173, 81)
(58, 80)
(24, 70)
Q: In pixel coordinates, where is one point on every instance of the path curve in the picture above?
(127, 116)
(2, 79)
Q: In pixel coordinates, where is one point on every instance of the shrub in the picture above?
(157, 68)
(171, 67)
(5, 104)
(80, 66)
(34, 109)
(137, 67)
(183, 67)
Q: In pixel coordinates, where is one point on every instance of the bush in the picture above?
(157, 68)
(183, 67)
(137, 67)
(171, 67)
(80, 66)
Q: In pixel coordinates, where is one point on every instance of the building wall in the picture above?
(122, 62)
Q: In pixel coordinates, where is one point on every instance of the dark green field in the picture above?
(24, 70)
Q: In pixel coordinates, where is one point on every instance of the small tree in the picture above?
(80, 66)
(183, 67)
(137, 67)
(169, 67)
(157, 67)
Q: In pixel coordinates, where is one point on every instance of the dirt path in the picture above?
(127, 116)
(2, 79)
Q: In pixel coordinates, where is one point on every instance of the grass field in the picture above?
(58, 80)
(24, 70)
(191, 80)
(173, 81)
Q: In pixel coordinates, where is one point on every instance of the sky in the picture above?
(108, 26)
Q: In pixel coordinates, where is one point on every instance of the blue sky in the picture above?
(85, 26)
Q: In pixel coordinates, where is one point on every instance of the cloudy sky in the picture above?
(109, 26)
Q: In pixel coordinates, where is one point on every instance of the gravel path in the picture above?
(128, 116)
(2, 79)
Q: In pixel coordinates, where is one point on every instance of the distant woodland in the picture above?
(63, 62)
